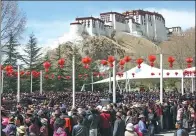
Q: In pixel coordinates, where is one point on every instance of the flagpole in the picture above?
(41, 82)
(73, 79)
(92, 81)
(114, 81)
(182, 83)
(110, 89)
(161, 78)
(126, 83)
(31, 82)
(18, 85)
(2, 76)
(192, 87)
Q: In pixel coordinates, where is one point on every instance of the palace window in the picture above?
(85, 23)
(93, 24)
(88, 23)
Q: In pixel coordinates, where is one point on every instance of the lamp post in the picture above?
(31, 83)
(41, 82)
(18, 84)
(161, 78)
(73, 78)
(114, 81)
(2, 76)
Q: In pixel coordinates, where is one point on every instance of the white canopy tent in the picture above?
(145, 73)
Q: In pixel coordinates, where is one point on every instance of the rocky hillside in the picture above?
(124, 44)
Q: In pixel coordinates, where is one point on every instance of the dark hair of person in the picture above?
(80, 119)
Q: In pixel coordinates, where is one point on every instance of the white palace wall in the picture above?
(145, 24)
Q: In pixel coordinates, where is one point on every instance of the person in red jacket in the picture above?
(105, 123)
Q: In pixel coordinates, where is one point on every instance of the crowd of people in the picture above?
(134, 114)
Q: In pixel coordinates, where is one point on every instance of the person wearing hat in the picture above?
(130, 130)
(44, 127)
(142, 126)
(21, 131)
(119, 125)
(105, 123)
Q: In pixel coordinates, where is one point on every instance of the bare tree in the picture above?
(12, 20)
(180, 47)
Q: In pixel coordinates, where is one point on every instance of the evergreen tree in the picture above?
(60, 84)
(32, 53)
(11, 54)
(32, 60)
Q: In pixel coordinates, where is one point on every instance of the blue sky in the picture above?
(49, 20)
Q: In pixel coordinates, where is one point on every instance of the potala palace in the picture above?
(150, 25)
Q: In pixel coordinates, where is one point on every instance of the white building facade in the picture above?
(150, 25)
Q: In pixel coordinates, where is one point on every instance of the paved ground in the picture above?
(171, 133)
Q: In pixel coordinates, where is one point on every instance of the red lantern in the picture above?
(176, 73)
(111, 59)
(86, 66)
(52, 76)
(139, 62)
(122, 62)
(102, 74)
(86, 60)
(152, 59)
(46, 70)
(171, 61)
(133, 74)
(46, 65)
(61, 62)
(127, 59)
(85, 75)
(46, 77)
(68, 77)
(152, 74)
(35, 74)
(167, 73)
(189, 60)
(80, 76)
(8, 68)
(95, 74)
(194, 73)
(111, 65)
(10, 71)
(27, 73)
(59, 77)
(104, 62)
(120, 74)
(22, 73)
